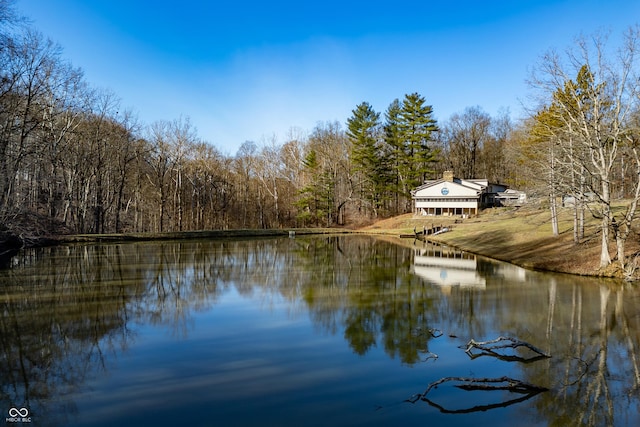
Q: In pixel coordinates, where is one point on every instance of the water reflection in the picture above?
(447, 266)
(69, 313)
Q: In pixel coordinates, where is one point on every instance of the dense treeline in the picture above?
(73, 160)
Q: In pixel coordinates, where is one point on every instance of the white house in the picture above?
(449, 196)
(456, 196)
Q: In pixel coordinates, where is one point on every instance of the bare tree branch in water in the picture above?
(482, 384)
(490, 347)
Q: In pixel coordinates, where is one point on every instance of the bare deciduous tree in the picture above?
(594, 112)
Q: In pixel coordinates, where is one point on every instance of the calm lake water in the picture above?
(309, 331)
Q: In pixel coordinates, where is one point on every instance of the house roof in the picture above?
(474, 184)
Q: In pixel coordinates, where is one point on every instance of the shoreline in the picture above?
(199, 234)
(520, 236)
(11, 244)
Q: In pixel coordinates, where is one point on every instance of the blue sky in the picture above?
(248, 70)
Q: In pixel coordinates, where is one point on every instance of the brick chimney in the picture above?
(447, 176)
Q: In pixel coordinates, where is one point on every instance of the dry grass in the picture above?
(521, 236)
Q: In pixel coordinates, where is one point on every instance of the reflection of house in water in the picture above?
(446, 266)
(510, 272)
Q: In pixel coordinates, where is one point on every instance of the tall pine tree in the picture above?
(316, 198)
(415, 128)
(368, 160)
(362, 129)
(394, 148)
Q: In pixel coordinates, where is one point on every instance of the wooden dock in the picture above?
(422, 234)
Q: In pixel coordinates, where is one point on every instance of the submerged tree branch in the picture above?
(482, 384)
(491, 346)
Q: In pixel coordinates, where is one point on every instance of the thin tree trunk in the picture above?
(553, 203)
(583, 201)
(605, 258)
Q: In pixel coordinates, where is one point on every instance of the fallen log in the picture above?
(490, 347)
(482, 384)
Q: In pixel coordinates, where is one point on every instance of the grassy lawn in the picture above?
(521, 236)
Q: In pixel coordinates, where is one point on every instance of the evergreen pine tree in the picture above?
(415, 127)
(394, 150)
(368, 161)
(309, 201)
(362, 129)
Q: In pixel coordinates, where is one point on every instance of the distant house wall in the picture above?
(455, 196)
(508, 197)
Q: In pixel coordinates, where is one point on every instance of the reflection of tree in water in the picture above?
(596, 366)
(363, 285)
(591, 329)
(58, 328)
(592, 333)
(66, 312)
